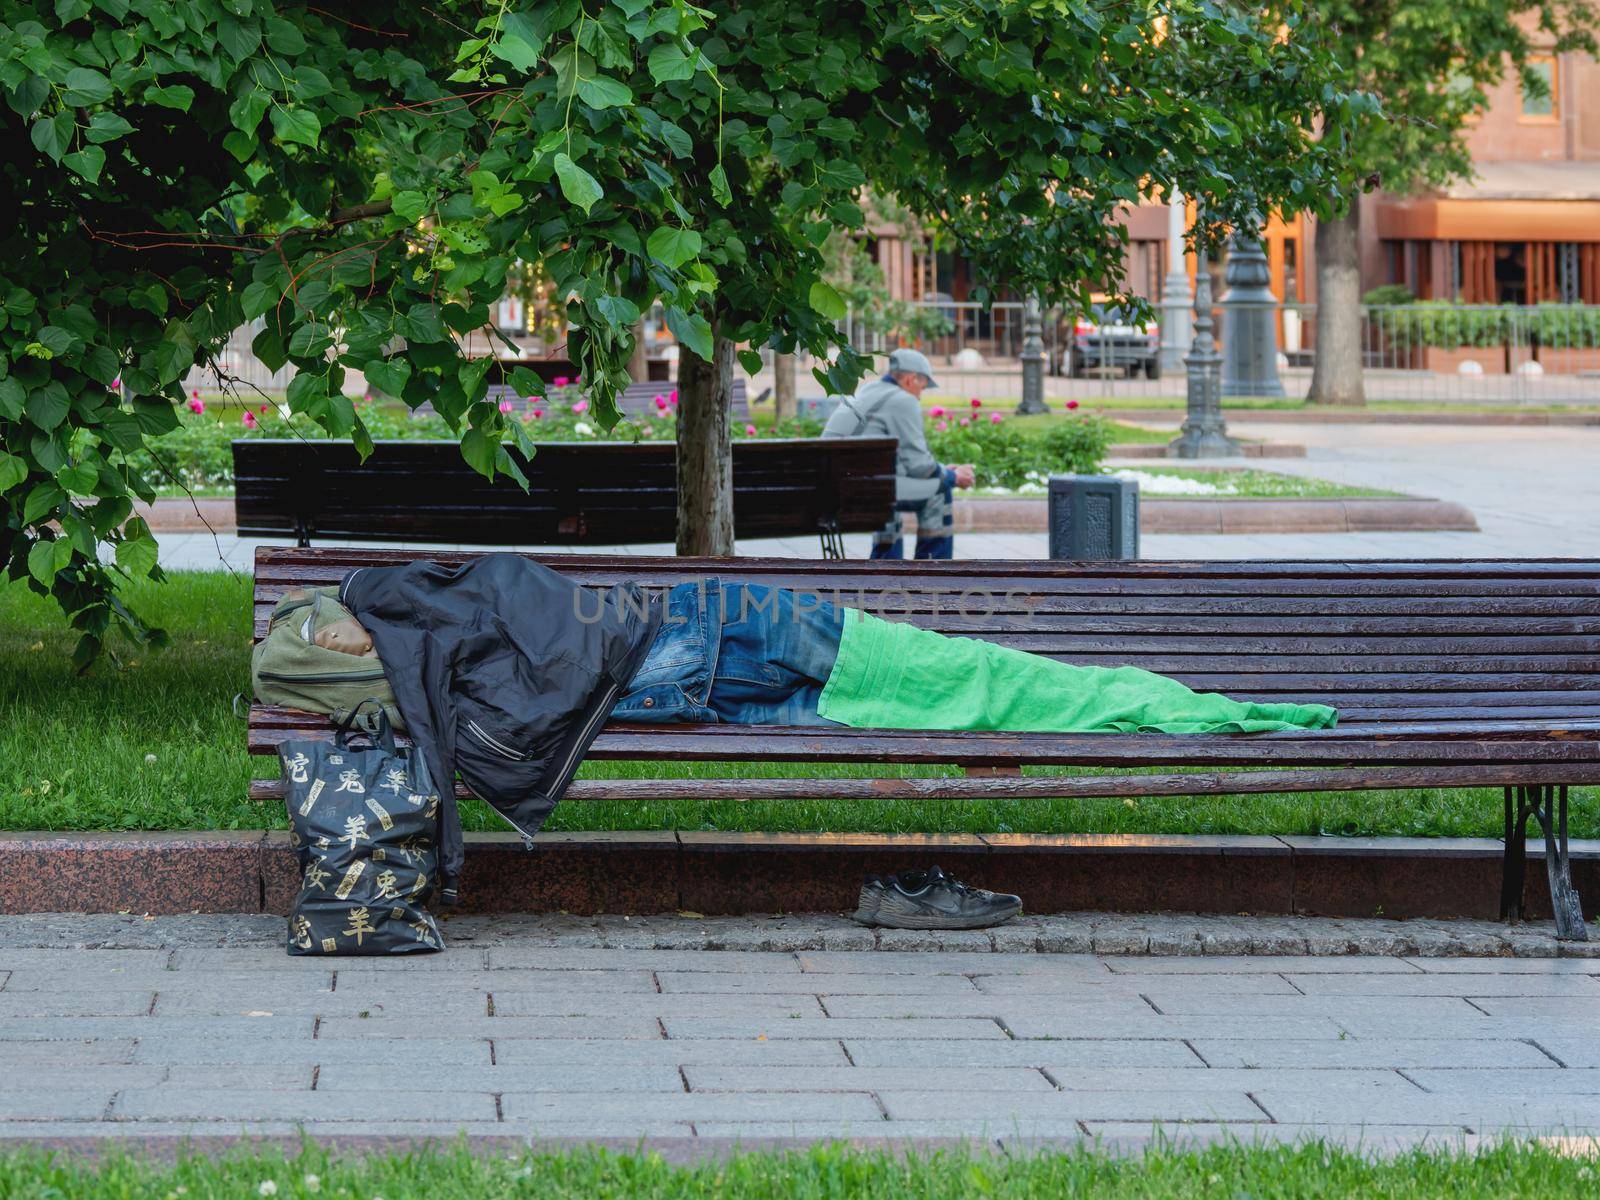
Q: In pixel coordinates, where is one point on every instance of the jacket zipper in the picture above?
(490, 743)
(351, 677)
(570, 767)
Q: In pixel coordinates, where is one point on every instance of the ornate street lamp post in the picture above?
(1205, 434)
(1250, 358)
(1032, 357)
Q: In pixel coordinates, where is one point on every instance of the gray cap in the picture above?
(907, 359)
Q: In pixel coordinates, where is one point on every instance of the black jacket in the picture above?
(504, 672)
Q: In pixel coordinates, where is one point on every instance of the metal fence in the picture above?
(1444, 353)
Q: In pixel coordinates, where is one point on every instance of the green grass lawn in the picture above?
(824, 1173)
(150, 742)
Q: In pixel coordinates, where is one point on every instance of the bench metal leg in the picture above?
(832, 540)
(1547, 803)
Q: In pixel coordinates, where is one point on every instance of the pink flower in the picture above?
(576, 380)
(505, 406)
(250, 421)
(116, 384)
(942, 426)
(966, 420)
(749, 431)
(936, 411)
(580, 406)
(262, 410)
(995, 418)
(559, 381)
(660, 400)
(976, 403)
(197, 405)
(1072, 404)
(195, 395)
(537, 414)
(673, 395)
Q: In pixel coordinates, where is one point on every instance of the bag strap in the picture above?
(374, 726)
(863, 417)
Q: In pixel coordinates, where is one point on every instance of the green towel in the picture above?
(895, 676)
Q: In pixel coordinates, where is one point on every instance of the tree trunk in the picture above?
(782, 388)
(639, 361)
(1336, 372)
(705, 454)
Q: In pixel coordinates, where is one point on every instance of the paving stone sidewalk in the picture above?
(1059, 1030)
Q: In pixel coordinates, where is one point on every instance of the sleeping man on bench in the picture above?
(724, 651)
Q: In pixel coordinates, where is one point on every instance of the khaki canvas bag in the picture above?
(288, 668)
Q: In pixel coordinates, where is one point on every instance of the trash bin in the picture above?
(1094, 517)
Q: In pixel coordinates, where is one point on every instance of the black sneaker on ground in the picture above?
(931, 900)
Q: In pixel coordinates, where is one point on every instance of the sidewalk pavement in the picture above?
(1533, 490)
(530, 1027)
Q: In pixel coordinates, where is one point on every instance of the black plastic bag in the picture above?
(363, 822)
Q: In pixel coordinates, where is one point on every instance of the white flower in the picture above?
(582, 429)
(283, 411)
(1175, 485)
(149, 758)
(268, 1188)
(313, 1183)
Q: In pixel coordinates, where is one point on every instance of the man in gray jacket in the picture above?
(891, 407)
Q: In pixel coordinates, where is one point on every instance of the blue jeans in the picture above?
(736, 653)
(935, 524)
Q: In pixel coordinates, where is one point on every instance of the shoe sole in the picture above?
(912, 920)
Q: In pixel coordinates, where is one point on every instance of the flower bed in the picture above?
(197, 456)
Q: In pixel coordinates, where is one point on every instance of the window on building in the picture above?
(1540, 101)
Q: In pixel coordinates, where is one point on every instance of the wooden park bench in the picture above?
(579, 493)
(1446, 675)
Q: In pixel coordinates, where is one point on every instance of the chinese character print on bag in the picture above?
(363, 822)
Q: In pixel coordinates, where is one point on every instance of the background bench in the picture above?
(1446, 674)
(579, 493)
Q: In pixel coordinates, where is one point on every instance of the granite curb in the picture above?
(1157, 515)
(1358, 416)
(726, 875)
(1108, 935)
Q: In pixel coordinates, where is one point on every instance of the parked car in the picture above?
(1107, 338)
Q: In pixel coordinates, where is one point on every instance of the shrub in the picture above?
(1078, 444)
(1389, 294)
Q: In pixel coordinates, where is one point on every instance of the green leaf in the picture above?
(750, 360)
(522, 27)
(603, 92)
(42, 501)
(824, 300)
(296, 125)
(693, 330)
(672, 246)
(137, 556)
(410, 205)
(388, 375)
(86, 162)
(618, 310)
(42, 560)
(79, 480)
(85, 87)
(479, 451)
(258, 297)
(720, 191)
(179, 96)
(48, 405)
(577, 185)
(52, 135)
(106, 127)
(13, 470)
(239, 144)
(12, 397)
(669, 61)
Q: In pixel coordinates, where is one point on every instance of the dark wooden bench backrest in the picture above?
(596, 493)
